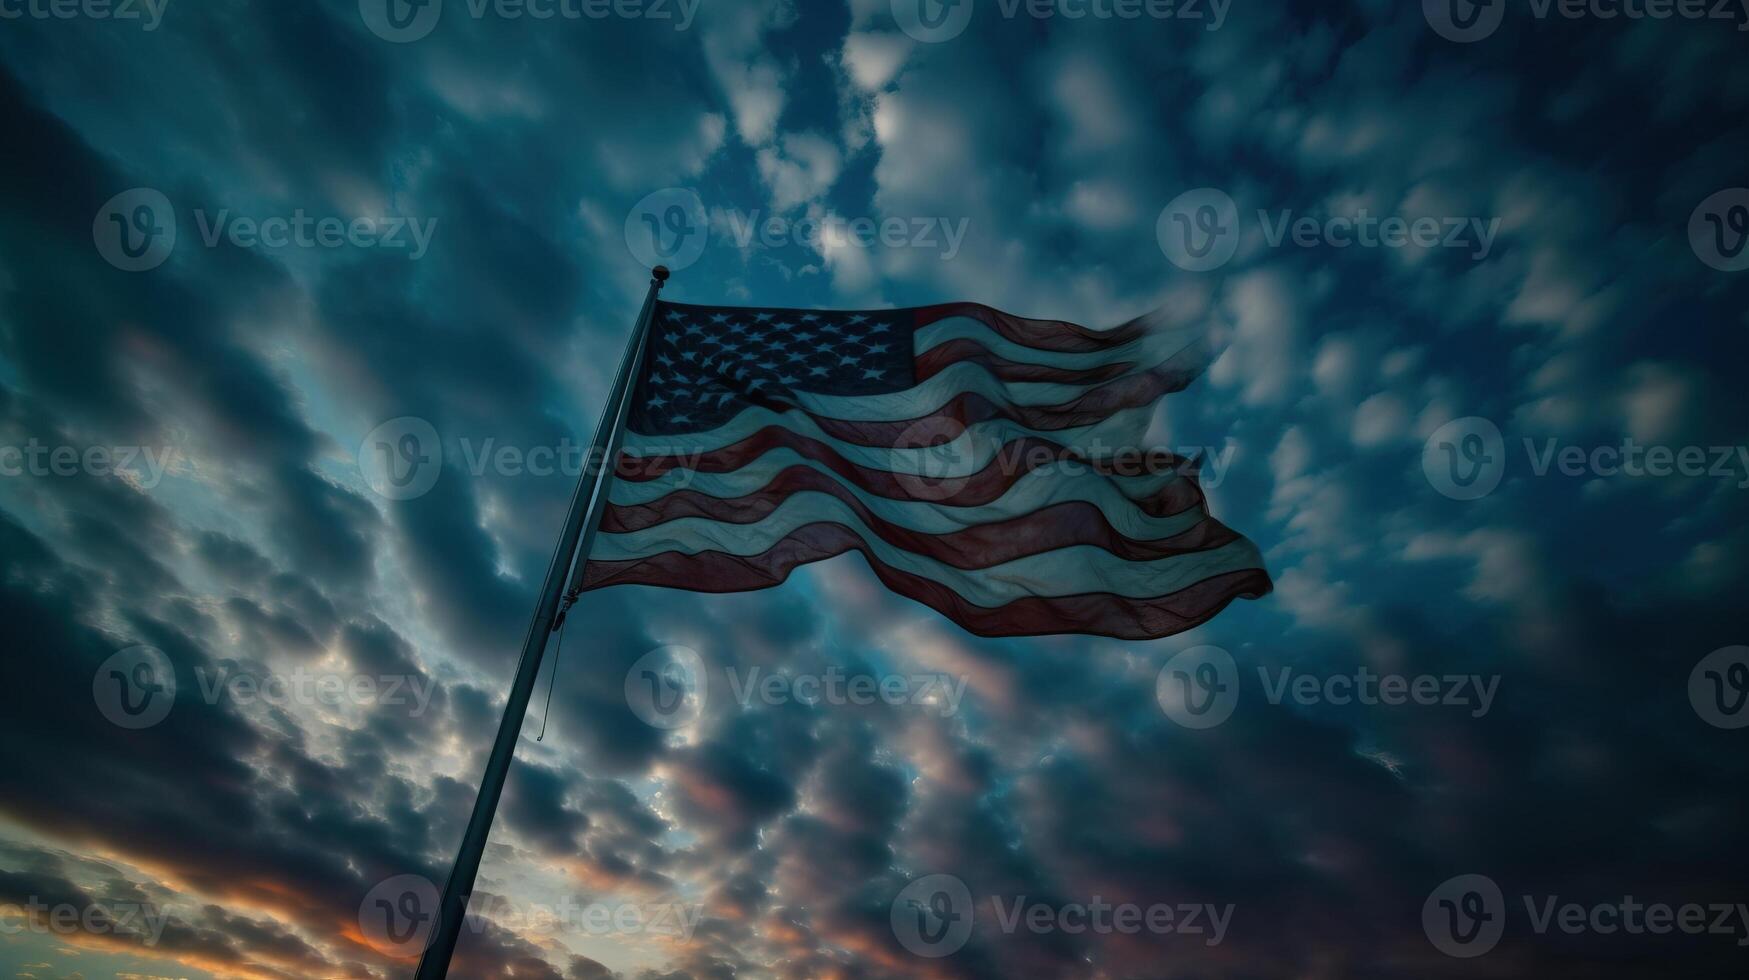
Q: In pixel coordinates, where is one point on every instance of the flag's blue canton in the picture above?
(704, 364)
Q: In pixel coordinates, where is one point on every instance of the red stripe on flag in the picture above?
(940, 357)
(1013, 461)
(1053, 335)
(1063, 525)
(1100, 613)
(969, 408)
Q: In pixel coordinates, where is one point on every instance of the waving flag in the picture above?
(986, 465)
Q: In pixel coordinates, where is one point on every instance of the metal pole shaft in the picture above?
(452, 910)
(598, 501)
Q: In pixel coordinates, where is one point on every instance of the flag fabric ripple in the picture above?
(989, 466)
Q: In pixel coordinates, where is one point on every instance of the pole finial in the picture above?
(660, 274)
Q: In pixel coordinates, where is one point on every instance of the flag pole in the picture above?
(579, 522)
(598, 501)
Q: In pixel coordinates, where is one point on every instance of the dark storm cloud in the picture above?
(723, 793)
(233, 560)
(237, 837)
(534, 805)
(244, 843)
(123, 920)
(456, 570)
(82, 333)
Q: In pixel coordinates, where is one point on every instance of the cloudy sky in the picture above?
(443, 219)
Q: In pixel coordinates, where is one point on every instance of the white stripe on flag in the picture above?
(1029, 493)
(1067, 571)
(966, 454)
(1150, 348)
(925, 399)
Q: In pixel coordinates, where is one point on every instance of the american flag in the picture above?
(986, 465)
